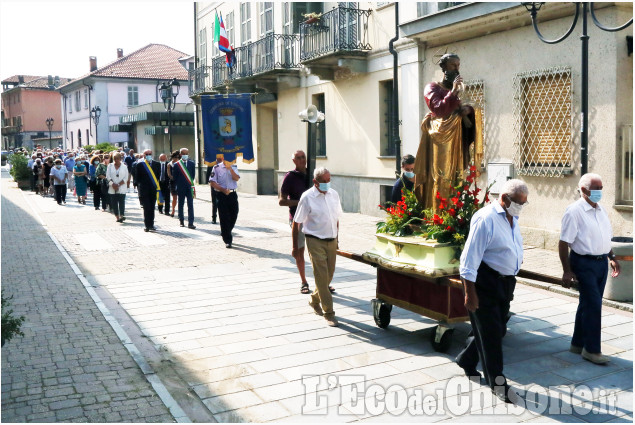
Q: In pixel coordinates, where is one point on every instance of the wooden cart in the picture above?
(439, 298)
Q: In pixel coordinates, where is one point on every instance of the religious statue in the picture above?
(447, 132)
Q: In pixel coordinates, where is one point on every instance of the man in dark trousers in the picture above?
(147, 172)
(164, 182)
(490, 262)
(129, 160)
(210, 174)
(225, 182)
(183, 175)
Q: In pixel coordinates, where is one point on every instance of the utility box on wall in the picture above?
(498, 173)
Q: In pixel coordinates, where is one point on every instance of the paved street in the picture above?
(229, 335)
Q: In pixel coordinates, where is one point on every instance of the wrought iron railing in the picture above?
(341, 29)
(274, 51)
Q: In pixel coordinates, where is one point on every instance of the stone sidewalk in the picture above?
(230, 329)
(70, 365)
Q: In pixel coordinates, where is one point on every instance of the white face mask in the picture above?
(514, 209)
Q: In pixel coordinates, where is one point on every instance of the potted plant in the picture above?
(20, 171)
(311, 18)
(10, 325)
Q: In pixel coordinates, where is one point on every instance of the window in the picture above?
(72, 145)
(202, 46)
(85, 98)
(70, 104)
(286, 18)
(78, 100)
(245, 23)
(542, 122)
(87, 137)
(266, 17)
(386, 145)
(474, 95)
(320, 133)
(230, 28)
(347, 25)
(422, 9)
(133, 95)
(79, 137)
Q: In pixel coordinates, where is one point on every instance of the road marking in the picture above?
(93, 242)
(145, 238)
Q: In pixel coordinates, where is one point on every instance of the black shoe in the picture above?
(153, 229)
(191, 226)
(145, 229)
(228, 245)
(160, 210)
(96, 208)
(123, 219)
(505, 393)
(471, 371)
(213, 221)
(182, 224)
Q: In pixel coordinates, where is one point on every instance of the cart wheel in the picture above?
(444, 342)
(381, 312)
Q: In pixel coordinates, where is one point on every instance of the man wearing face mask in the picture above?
(183, 175)
(586, 229)
(225, 182)
(447, 132)
(147, 172)
(407, 180)
(318, 211)
(490, 261)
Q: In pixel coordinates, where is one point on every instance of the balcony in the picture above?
(267, 63)
(338, 39)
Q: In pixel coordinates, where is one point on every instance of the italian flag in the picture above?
(220, 35)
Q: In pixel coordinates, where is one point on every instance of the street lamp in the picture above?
(95, 113)
(168, 92)
(533, 9)
(311, 115)
(49, 124)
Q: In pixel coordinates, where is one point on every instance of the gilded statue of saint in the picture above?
(447, 132)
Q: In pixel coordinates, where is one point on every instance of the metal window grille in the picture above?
(475, 96)
(626, 165)
(543, 122)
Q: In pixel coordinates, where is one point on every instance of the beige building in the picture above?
(529, 92)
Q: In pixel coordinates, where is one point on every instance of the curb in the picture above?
(572, 293)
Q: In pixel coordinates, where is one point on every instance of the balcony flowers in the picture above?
(450, 223)
(310, 18)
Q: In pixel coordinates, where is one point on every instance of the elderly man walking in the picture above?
(490, 261)
(318, 211)
(586, 229)
(183, 174)
(147, 173)
(225, 182)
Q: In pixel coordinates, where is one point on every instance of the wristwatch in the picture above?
(612, 256)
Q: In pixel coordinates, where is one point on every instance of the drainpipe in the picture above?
(395, 94)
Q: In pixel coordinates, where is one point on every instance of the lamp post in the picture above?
(95, 113)
(49, 124)
(533, 9)
(168, 92)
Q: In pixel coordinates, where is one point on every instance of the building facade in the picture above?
(110, 91)
(28, 102)
(528, 91)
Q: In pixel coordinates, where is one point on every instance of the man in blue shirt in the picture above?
(70, 164)
(490, 261)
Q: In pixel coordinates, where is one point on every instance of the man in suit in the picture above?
(183, 174)
(147, 172)
(164, 182)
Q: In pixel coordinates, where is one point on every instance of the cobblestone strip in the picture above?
(70, 365)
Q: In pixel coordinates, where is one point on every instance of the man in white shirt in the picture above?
(318, 211)
(587, 231)
(490, 261)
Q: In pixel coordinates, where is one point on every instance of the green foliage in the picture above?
(105, 147)
(19, 169)
(10, 325)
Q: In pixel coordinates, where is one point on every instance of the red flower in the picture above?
(476, 191)
(486, 199)
(475, 201)
(459, 204)
(452, 212)
(473, 168)
(450, 229)
(466, 187)
(438, 195)
(469, 179)
(455, 201)
(437, 220)
(444, 203)
(461, 220)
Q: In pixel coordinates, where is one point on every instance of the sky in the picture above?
(57, 38)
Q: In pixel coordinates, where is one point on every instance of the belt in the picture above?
(591, 257)
(322, 239)
(230, 190)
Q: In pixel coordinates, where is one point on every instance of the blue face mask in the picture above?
(596, 196)
(324, 187)
(408, 174)
(184, 157)
(148, 158)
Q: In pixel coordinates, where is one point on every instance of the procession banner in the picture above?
(227, 127)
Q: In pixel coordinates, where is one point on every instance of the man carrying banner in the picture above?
(183, 174)
(147, 172)
(225, 182)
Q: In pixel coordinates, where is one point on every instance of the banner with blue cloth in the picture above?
(227, 127)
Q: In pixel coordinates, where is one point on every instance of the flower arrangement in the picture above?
(451, 223)
(311, 17)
